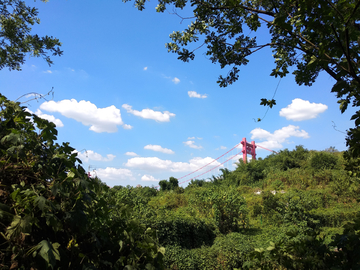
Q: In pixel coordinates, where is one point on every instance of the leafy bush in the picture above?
(227, 207)
(323, 160)
(186, 232)
(52, 214)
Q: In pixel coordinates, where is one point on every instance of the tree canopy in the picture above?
(310, 36)
(16, 39)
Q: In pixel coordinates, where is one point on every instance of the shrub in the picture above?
(323, 160)
(52, 214)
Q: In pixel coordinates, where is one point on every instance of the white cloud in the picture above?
(131, 154)
(47, 71)
(150, 114)
(175, 80)
(145, 68)
(147, 177)
(223, 147)
(48, 117)
(99, 119)
(300, 110)
(158, 148)
(275, 140)
(191, 138)
(157, 164)
(193, 94)
(91, 155)
(112, 175)
(126, 126)
(191, 144)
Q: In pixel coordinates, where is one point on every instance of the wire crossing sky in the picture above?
(137, 115)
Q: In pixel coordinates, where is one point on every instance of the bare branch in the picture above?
(237, 6)
(182, 18)
(36, 96)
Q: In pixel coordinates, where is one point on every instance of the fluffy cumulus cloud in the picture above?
(147, 177)
(133, 154)
(157, 164)
(158, 148)
(85, 156)
(113, 176)
(193, 94)
(150, 114)
(192, 144)
(99, 119)
(275, 140)
(48, 117)
(176, 80)
(300, 110)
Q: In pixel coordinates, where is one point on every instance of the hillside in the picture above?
(288, 211)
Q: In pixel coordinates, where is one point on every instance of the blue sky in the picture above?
(138, 115)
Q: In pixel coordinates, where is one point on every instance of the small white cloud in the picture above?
(199, 138)
(191, 138)
(193, 94)
(91, 155)
(148, 177)
(300, 110)
(131, 154)
(275, 140)
(112, 176)
(191, 144)
(126, 126)
(223, 147)
(150, 114)
(157, 164)
(176, 80)
(58, 123)
(145, 68)
(99, 119)
(47, 71)
(158, 148)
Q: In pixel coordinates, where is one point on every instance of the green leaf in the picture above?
(49, 252)
(41, 202)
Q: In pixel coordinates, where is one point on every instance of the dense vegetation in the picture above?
(52, 215)
(295, 210)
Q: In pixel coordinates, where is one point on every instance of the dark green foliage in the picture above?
(248, 173)
(16, 39)
(172, 184)
(286, 159)
(183, 231)
(225, 253)
(225, 206)
(52, 214)
(195, 183)
(323, 160)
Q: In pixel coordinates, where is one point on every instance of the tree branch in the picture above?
(239, 6)
(353, 12)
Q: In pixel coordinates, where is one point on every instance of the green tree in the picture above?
(16, 39)
(172, 184)
(311, 36)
